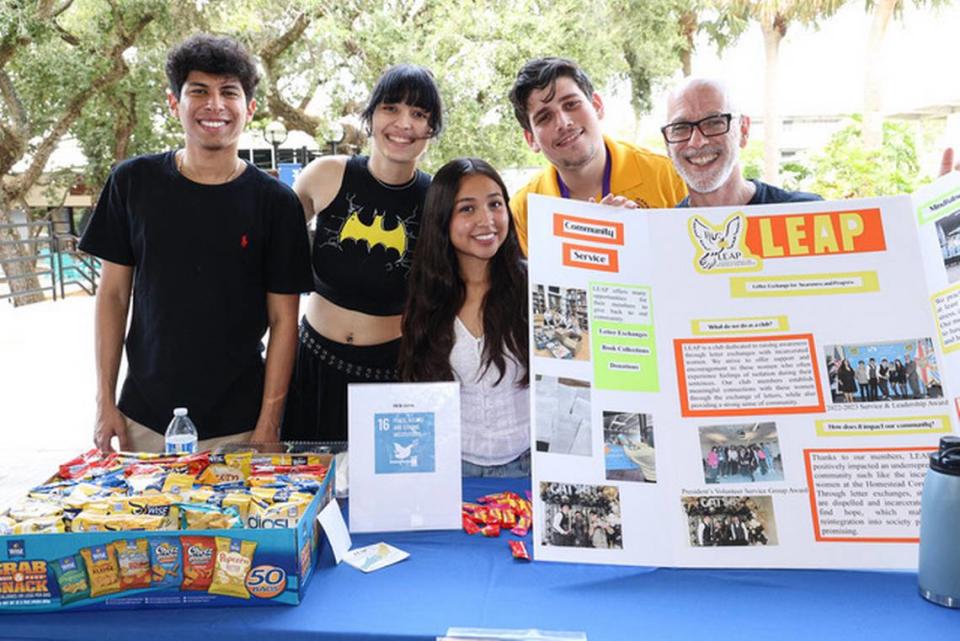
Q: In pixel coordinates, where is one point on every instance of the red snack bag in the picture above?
(482, 515)
(78, 466)
(138, 469)
(520, 530)
(199, 557)
(492, 529)
(519, 550)
(470, 507)
(469, 526)
(508, 518)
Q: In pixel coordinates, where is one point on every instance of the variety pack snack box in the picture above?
(133, 530)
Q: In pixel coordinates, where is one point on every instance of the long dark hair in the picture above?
(436, 292)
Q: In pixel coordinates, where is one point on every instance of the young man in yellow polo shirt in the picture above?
(554, 101)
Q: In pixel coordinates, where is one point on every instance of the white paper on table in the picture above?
(331, 520)
(405, 466)
(374, 557)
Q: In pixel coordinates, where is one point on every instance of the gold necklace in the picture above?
(234, 171)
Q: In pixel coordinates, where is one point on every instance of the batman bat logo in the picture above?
(374, 234)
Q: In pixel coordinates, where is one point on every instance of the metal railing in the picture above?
(53, 258)
(82, 269)
(33, 258)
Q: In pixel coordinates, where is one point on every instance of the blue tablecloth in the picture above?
(453, 579)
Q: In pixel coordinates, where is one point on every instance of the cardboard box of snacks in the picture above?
(108, 532)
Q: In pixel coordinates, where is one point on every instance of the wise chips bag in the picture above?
(102, 568)
(72, 579)
(133, 557)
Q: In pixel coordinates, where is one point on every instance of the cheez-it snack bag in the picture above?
(199, 558)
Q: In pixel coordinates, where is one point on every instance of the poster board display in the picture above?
(691, 405)
(404, 456)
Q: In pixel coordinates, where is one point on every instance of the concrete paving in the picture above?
(47, 390)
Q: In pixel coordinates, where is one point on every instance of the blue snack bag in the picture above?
(165, 559)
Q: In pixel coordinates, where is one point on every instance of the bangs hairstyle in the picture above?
(411, 85)
(436, 291)
(539, 74)
(218, 55)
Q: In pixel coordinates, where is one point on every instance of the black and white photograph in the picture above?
(563, 415)
(560, 326)
(628, 447)
(743, 453)
(730, 520)
(582, 516)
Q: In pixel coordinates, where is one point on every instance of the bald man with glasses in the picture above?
(704, 134)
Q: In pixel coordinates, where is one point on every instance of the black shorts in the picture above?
(316, 407)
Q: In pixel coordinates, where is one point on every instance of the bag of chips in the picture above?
(133, 557)
(102, 568)
(165, 561)
(41, 525)
(208, 517)
(72, 579)
(234, 560)
(199, 557)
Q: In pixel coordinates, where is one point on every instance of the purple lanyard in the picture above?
(607, 170)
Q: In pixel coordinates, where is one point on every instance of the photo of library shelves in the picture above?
(560, 324)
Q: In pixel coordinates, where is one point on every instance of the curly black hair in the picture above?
(220, 55)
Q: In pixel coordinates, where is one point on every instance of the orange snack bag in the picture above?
(133, 557)
(102, 568)
(199, 557)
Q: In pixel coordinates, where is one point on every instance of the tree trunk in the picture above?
(688, 29)
(18, 273)
(773, 31)
(872, 136)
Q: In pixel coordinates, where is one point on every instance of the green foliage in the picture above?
(474, 49)
(846, 170)
(751, 160)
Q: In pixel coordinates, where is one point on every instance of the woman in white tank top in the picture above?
(466, 315)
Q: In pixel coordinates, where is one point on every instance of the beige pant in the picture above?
(141, 438)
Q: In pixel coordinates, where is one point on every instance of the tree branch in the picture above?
(18, 113)
(294, 116)
(48, 9)
(275, 48)
(75, 106)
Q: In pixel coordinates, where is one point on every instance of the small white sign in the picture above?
(335, 528)
(404, 456)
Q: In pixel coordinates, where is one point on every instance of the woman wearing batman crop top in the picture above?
(368, 216)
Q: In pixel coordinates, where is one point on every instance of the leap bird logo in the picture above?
(722, 249)
(374, 234)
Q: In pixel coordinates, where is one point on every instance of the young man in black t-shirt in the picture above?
(214, 252)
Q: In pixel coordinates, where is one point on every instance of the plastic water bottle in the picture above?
(181, 436)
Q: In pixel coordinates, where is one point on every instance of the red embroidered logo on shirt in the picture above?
(244, 242)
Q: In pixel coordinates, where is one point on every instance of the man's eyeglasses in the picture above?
(710, 126)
